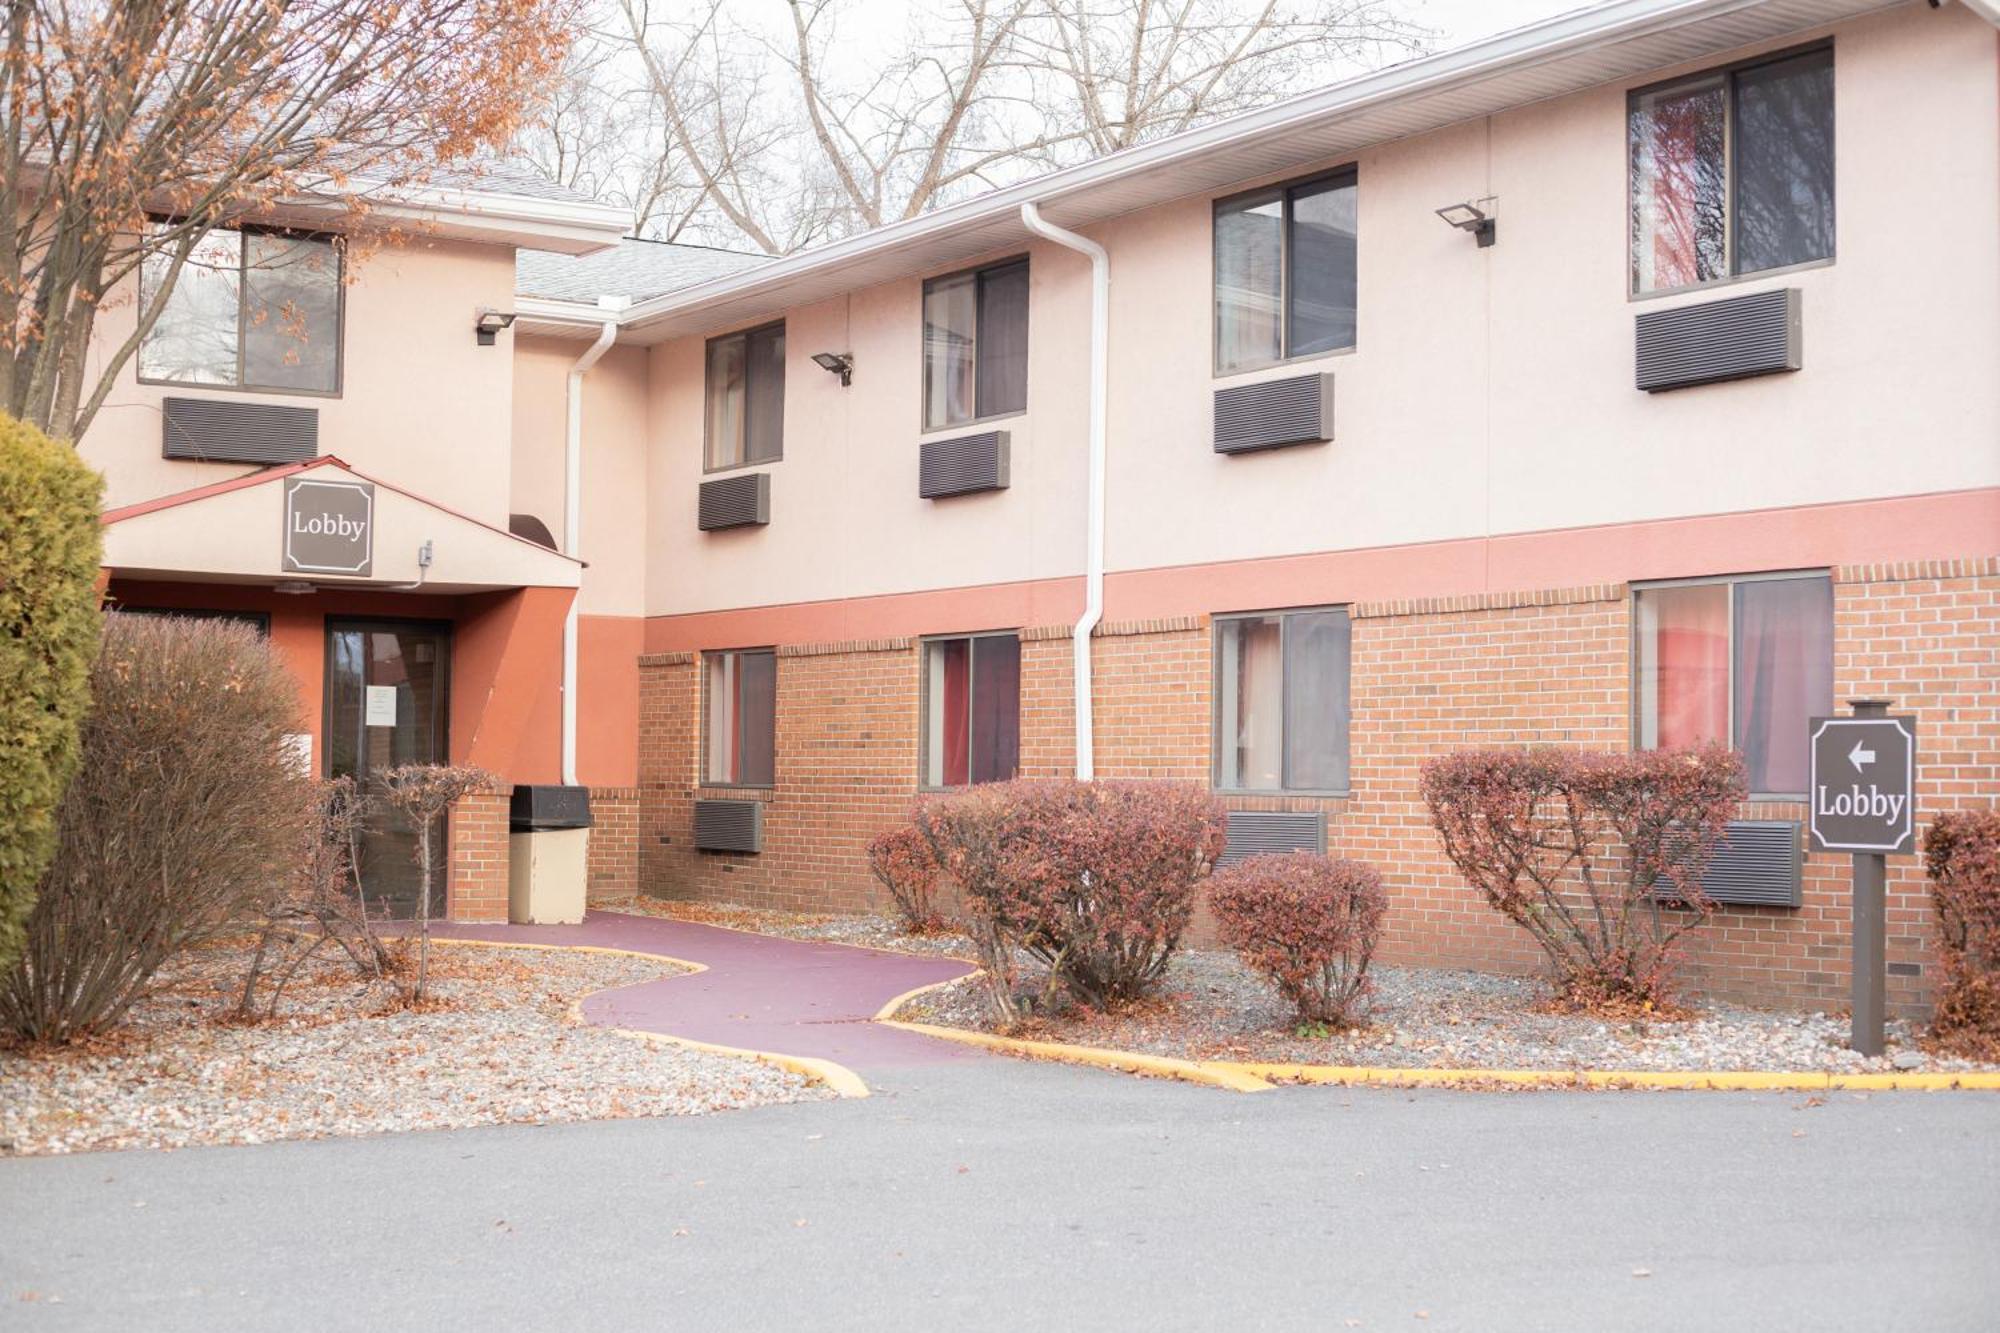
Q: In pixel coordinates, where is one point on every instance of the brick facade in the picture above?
(476, 837)
(614, 843)
(1550, 666)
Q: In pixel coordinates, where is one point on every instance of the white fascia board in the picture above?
(1566, 35)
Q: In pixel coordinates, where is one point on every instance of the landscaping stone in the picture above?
(498, 1044)
(1209, 1006)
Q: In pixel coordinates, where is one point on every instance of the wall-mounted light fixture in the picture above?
(489, 322)
(294, 587)
(836, 363)
(1469, 216)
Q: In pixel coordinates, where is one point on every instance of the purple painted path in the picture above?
(760, 992)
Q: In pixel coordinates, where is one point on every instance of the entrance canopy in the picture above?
(324, 524)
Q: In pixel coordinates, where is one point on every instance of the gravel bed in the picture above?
(496, 1045)
(1212, 1007)
(867, 930)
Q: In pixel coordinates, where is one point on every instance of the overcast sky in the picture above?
(1462, 21)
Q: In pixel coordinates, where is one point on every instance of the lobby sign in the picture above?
(329, 527)
(1863, 784)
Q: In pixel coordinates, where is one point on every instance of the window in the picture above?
(250, 310)
(972, 709)
(746, 398)
(1281, 714)
(741, 710)
(1746, 660)
(1284, 272)
(976, 345)
(1732, 172)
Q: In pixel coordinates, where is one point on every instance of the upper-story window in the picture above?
(971, 709)
(1284, 271)
(746, 398)
(976, 345)
(1746, 661)
(740, 710)
(250, 310)
(1732, 172)
(1281, 705)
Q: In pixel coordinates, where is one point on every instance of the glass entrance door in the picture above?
(387, 684)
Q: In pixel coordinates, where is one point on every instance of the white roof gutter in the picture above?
(1093, 559)
(1986, 9)
(607, 334)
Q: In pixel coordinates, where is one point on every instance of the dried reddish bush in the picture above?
(1096, 880)
(1568, 844)
(906, 866)
(422, 794)
(1307, 922)
(1962, 857)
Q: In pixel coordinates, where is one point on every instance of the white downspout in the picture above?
(572, 520)
(1093, 559)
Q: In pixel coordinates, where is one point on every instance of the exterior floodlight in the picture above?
(1469, 216)
(490, 322)
(836, 363)
(294, 587)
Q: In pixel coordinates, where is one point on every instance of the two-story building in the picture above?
(1632, 378)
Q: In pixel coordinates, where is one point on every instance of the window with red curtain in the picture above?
(972, 709)
(1733, 171)
(1746, 661)
(740, 718)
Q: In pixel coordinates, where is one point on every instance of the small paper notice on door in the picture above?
(381, 706)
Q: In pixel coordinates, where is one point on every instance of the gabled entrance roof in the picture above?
(235, 532)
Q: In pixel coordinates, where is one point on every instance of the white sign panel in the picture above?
(381, 706)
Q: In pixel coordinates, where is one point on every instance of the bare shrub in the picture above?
(1309, 923)
(318, 904)
(906, 866)
(184, 808)
(1095, 880)
(1568, 845)
(1962, 857)
(424, 792)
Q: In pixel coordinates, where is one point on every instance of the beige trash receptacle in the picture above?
(547, 872)
(548, 855)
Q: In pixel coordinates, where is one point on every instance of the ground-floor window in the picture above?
(1281, 691)
(741, 717)
(972, 709)
(1743, 660)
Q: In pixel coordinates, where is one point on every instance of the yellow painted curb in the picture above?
(887, 1012)
(1725, 1080)
(1130, 1062)
(841, 1080)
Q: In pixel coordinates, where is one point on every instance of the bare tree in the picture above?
(131, 130)
(422, 793)
(826, 123)
(1126, 71)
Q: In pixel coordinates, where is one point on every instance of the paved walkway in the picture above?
(760, 992)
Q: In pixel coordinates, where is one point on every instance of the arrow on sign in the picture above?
(1859, 756)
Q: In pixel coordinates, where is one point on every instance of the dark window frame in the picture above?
(244, 231)
(708, 779)
(1732, 582)
(708, 399)
(1283, 615)
(1731, 171)
(924, 646)
(1348, 173)
(978, 273)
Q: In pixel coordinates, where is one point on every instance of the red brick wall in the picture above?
(614, 843)
(1544, 667)
(477, 857)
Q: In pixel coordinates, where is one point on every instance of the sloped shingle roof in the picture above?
(633, 269)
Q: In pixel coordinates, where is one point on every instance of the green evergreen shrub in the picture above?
(50, 540)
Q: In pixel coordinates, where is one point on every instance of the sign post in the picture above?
(1860, 795)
